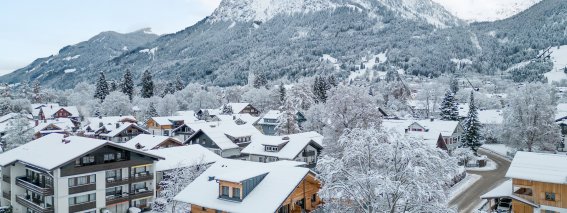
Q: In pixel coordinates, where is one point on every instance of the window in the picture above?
(82, 199)
(313, 198)
(550, 196)
(114, 174)
(225, 191)
(119, 155)
(236, 193)
(83, 180)
(114, 191)
(88, 160)
(108, 157)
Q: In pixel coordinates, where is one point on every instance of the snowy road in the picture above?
(470, 198)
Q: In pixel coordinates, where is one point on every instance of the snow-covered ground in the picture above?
(486, 10)
(490, 165)
(463, 185)
(500, 149)
(369, 63)
(559, 58)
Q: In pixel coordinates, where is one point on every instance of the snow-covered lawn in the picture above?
(463, 185)
(490, 165)
(500, 149)
(559, 58)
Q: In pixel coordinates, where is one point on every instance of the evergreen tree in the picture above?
(112, 86)
(179, 84)
(332, 80)
(449, 108)
(101, 88)
(147, 85)
(169, 89)
(25, 89)
(128, 84)
(152, 112)
(454, 85)
(320, 87)
(227, 109)
(282, 93)
(472, 127)
(37, 96)
(260, 80)
(287, 122)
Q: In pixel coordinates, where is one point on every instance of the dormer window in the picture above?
(225, 190)
(271, 148)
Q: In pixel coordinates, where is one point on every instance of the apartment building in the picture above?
(76, 174)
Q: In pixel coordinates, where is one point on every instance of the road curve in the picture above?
(467, 200)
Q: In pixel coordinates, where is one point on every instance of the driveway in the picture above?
(469, 199)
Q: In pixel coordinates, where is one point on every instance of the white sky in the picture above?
(32, 29)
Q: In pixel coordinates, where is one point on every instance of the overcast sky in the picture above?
(30, 29)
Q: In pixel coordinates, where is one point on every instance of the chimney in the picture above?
(211, 178)
(100, 124)
(432, 119)
(117, 125)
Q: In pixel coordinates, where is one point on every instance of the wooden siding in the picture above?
(540, 188)
(199, 209)
(305, 190)
(519, 207)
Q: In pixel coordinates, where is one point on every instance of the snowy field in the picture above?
(485, 10)
(559, 58)
(463, 185)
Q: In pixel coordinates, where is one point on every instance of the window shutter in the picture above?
(542, 196)
(558, 197)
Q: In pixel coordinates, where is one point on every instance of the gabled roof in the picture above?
(183, 156)
(542, 167)
(61, 123)
(505, 190)
(50, 152)
(50, 111)
(168, 120)
(218, 131)
(148, 142)
(237, 107)
(247, 118)
(37, 107)
(267, 196)
(294, 144)
(108, 122)
(435, 128)
(123, 127)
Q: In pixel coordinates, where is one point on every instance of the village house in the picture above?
(270, 121)
(122, 133)
(537, 184)
(58, 126)
(241, 186)
(223, 138)
(442, 134)
(76, 174)
(52, 111)
(147, 142)
(166, 126)
(93, 125)
(237, 108)
(304, 147)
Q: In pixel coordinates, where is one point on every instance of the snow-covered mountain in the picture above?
(264, 10)
(486, 10)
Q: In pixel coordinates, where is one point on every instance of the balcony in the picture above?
(35, 205)
(82, 206)
(116, 181)
(6, 178)
(117, 198)
(82, 188)
(525, 193)
(7, 195)
(27, 184)
(141, 193)
(143, 176)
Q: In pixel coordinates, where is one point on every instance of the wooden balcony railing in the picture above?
(37, 207)
(25, 183)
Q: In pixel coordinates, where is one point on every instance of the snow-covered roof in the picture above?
(170, 119)
(542, 167)
(123, 127)
(108, 122)
(62, 123)
(237, 107)
(36, 108)
(247, 118)
(434, 129)
(148, 142)
(11, 115)
(50, 111)
(267, 196)
(183, 156)
(294, 144)
(51, 151)
(490, 116)
(561, 111)
(189, 114)
(504, 190)
(272, 114)
(218, 131)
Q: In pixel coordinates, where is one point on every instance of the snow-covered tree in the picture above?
(287, 122)
(115, 104)
(151, 112)
(174, 181)
(147, 85)
(449, 108)
(320, 87)
(430, 95)
(168, 105)
(127, 86)
(179, 84)
(204, 100)
(464, 155)
(282, 94)
(260, 80)
(529, 119)
(378, 171)
(37, 95)
(168, 89)
(302, 94)
(101, 87)
(262, 98)
(226, 109)
(316, 118)
(18, 132)
(25, 89)
(472, 127)
(348, 108)
(454, 85)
